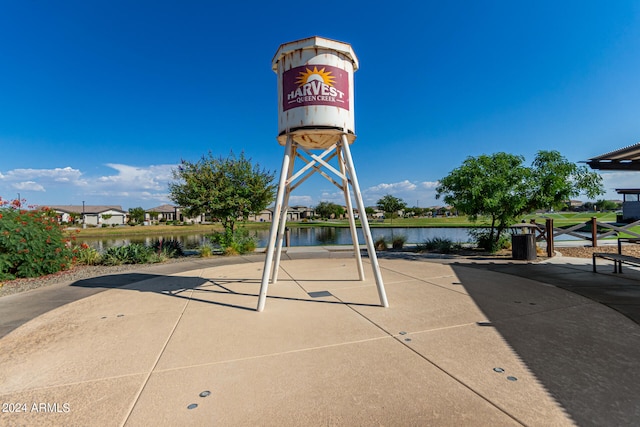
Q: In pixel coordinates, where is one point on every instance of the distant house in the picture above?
(575, 204)
(169, 213)
(162, 213)
(377, 213)
(294, 213)
(298, 213)
(91, 214)
(266, 215)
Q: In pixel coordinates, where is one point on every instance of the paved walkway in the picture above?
(464, 342)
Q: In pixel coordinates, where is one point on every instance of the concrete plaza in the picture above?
(464, 342)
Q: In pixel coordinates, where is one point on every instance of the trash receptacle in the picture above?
(523, 246)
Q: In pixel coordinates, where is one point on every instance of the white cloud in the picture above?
(128, 185)
(300, 200)
(147, 185)
(421, 193)
(66, 174)
(429, 185)
(28, 186)
(40, 179)
(405, 185)
(336, 197)
(136, 178)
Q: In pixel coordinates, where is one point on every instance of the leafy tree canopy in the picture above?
(226, 188)
(606, 205)
(136, 215)
(390, 204)
(327, 209)
(501, 187)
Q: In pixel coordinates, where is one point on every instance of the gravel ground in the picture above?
(585, 252)
(86, 272)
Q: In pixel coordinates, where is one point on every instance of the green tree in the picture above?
(226, 188)
(554, 181)
(136, 215)
(607, 205)
(391, 205)
(369, 211)
(327, 209)
(501, 187)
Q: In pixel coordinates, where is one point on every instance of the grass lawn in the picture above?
(560, 219)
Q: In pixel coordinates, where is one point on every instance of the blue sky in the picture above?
(99, 100)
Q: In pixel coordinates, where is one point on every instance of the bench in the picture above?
(617, 259)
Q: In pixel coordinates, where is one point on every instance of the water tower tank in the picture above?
(315, 91)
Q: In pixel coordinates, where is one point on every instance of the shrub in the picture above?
(231, 251)
(398, 242)
(205, 251)
(440, 245)
(156, 257)
(482, 240)
(238, 242)
(32, 243)
(130, 254)
(170, 247)
(87, 256)
(380, 244)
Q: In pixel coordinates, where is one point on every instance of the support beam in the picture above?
(364, 221)
(352, 220)
(266, 272)
(347, 176)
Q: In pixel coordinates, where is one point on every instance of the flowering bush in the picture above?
(32, 242)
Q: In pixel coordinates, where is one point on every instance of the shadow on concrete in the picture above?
(583, 353)
(175, 285)
(20, 308)
(620, 292)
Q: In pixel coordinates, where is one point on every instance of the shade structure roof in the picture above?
(627, 158)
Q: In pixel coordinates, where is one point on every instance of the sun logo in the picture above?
(316, 75)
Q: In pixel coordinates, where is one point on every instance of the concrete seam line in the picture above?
(281, 353)
(155, 363)
(431, 362)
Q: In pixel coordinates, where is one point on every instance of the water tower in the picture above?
(316, 125)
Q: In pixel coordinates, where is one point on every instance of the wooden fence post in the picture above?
(594, 232)
(550, 246)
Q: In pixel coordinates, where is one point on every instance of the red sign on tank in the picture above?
(315, 85)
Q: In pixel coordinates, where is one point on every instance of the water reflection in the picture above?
(300, 236)
(326, 236)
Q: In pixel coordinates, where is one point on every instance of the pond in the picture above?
(300, 236)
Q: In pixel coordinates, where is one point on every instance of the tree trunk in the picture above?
(491, 233)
